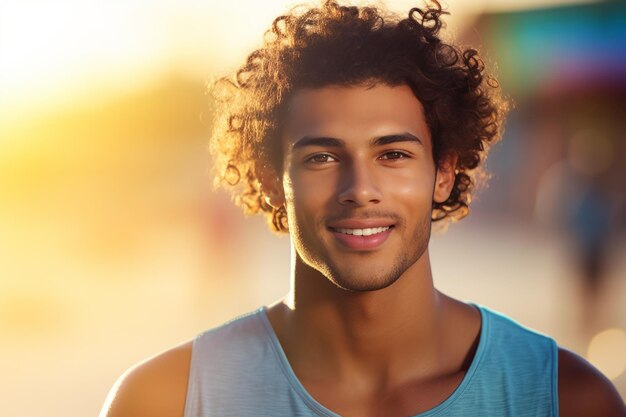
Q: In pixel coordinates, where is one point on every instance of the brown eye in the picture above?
(321, 158)
(393, 155)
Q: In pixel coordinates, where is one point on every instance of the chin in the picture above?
(364, 281)
(363, 286)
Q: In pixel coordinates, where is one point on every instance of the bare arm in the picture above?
(155, 388)
(584, 391)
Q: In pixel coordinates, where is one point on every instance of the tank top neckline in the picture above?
(320, 410)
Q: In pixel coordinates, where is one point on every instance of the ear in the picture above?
(444, 180)
(272, 187)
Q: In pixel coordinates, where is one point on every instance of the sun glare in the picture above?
(52, 51)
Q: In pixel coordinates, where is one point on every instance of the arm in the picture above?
(155, 388)
(584, 391)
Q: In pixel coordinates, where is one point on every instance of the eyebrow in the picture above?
(328, 142)
(401, 137)
(322, 141)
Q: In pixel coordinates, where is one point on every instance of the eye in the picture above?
(394, 155)
(321, 158)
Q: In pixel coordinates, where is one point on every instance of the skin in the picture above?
(365, 330)
(353, 159)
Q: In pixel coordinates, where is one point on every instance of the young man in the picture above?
(354, 130)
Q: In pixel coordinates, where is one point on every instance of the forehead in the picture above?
(355, 112)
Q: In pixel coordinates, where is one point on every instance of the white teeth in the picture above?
(363, 232)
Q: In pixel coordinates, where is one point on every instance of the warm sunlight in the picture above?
(54, 53)
(108, 223)
(51, 51)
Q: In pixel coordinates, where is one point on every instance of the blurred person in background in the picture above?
(574, 196)
(354, 130)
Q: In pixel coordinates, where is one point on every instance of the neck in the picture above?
(370, 334)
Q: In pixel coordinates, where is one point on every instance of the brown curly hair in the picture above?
(348, 46)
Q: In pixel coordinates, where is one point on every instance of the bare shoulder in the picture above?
(585, 391)
(156, 387)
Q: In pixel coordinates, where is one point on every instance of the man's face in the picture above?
(358, 182)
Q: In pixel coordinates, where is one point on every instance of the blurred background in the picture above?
(114, 247)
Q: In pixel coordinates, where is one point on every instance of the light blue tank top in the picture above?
(240, 370)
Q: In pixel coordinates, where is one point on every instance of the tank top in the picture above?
(240, 369)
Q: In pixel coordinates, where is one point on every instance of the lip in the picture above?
(361, 243)
(360, 223)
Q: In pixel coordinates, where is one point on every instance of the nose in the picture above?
(358, 185)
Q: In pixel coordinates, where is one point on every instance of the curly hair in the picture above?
(348, 46)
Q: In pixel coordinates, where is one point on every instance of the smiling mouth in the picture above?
(362, 232)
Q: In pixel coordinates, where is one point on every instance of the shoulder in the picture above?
(156, 387)
(518, 340)
(585, 391)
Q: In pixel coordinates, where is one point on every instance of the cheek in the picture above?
(307, 189)
(414, 188)
(306, 197)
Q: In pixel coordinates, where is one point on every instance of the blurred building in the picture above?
(564, 69)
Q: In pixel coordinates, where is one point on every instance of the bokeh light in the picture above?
(607, 352)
